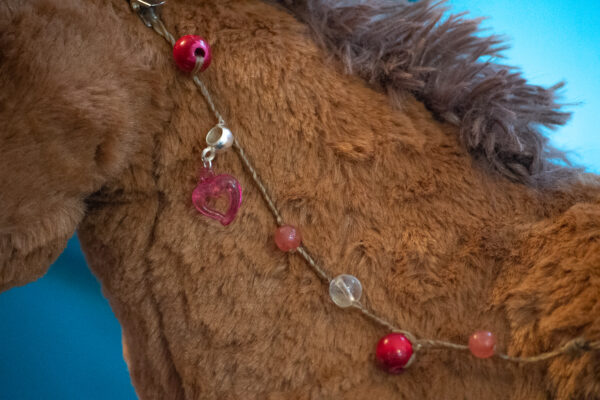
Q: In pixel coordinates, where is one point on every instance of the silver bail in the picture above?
(220, 137)
(147, 10)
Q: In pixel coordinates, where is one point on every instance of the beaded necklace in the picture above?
(395, 351)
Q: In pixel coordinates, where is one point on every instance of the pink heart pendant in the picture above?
(213, 186)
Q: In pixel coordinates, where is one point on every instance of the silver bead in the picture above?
(345, 290)
(219, 137)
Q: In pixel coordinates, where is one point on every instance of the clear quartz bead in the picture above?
(345, 290)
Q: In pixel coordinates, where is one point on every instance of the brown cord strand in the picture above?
(161, 29)
(574, 347)
(318, 270)
(206, 95)
(258, 182)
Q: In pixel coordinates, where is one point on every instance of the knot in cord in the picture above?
(577, 347)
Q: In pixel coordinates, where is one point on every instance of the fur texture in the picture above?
(69, 109)
(99, 124)
(445, 62)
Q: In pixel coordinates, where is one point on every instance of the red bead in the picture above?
(187, 48)
(287, 238)
(482, 344)
(394, 352)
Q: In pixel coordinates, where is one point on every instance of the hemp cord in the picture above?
(574, 347)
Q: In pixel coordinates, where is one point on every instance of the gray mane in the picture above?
(444, 61)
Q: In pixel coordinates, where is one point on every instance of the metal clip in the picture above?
(147, 10)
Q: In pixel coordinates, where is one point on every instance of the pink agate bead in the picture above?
(482, 344)
(287, 238)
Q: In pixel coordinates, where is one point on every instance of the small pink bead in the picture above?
(187, 48)
(482, 344)
(287, 238)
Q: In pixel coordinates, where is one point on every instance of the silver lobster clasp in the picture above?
(148, 10)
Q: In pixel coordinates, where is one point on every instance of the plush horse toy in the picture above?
(385, 134)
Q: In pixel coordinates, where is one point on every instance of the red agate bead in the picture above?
(482, 344)
(394, 352)
(187, 48)
(287, 238)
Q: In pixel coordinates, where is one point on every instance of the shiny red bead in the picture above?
(394, 352)
(187, 48)
(482, 344)
(287, 238)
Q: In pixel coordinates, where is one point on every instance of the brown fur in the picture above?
(448, 64)
(100, 132)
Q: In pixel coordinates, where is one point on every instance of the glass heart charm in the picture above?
(212, 187)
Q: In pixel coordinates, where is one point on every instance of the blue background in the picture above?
(58, 336)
